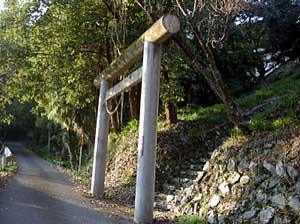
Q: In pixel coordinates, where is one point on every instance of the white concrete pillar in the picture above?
(102, 128)
(147, 134)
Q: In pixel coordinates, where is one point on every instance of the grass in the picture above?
(114, 138)
(9, 170)
(132, 125)
(80, 176)
(190, 220)
(194, 114)
(207, 117)
(278, 88)
(278, 117)
(259, 122)
(264, 121)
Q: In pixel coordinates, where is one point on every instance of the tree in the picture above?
(205, 25)
(281, 18)
(242, 60)
(51, 52)
(127, 25)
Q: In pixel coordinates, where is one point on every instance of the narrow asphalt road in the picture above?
(39, 194)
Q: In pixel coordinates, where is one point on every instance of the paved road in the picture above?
(39, 194)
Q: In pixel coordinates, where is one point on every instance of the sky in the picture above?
(1, 4)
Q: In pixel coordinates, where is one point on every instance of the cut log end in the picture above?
(163, 29)
(171, 23)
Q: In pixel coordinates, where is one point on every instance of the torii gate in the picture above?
(148, 47)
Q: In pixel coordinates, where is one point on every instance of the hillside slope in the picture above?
(250, 180)
(207, 168)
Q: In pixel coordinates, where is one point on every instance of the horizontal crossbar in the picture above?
(130, 81)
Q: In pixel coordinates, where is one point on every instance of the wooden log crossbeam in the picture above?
(130, 81)
(159, 32)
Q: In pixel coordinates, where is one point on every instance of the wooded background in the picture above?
(51, 51)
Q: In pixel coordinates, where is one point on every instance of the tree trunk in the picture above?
(80, 158)
(66, 145)
(214, 78)
(134, 101)
(114, 118)
(63, 150)
(215, 81)
(49, 139)
(171, 112)
(170, 107)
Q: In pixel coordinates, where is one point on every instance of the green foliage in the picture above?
(188, 115)
(257, 98)
(259, 122)
(132, 125)
(9, 170)
(129, 177)
(239, 61)
(263, 94)
(282, 27)
(213, 115)
(81, 176)
(291, 101)
(274, 118)
(174, 71)
(236, 133)
(280, 116)
(191, 114)
(289, 85)
(190, 220)
(50, 53)
(18, 120)
(281, 122)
